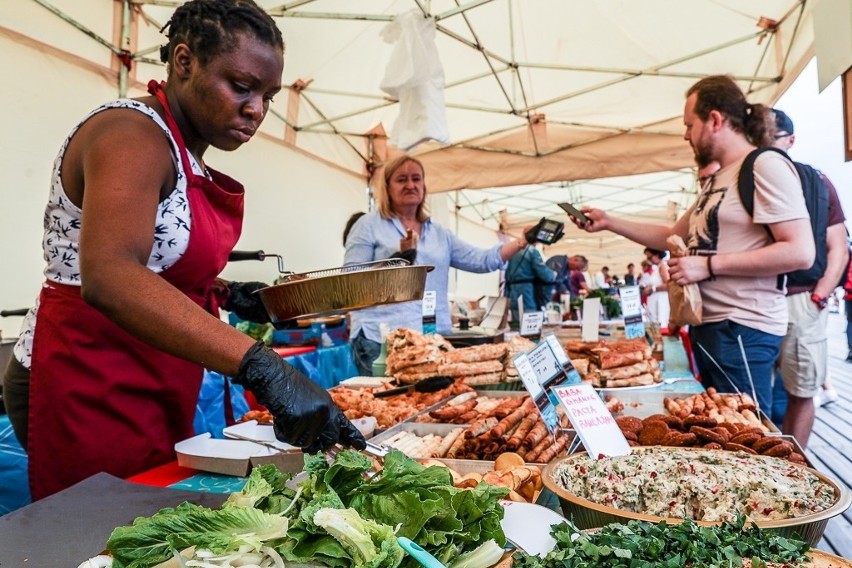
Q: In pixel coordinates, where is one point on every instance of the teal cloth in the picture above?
(336, 364)
(677, 364)
(14, 484)
(211, 483)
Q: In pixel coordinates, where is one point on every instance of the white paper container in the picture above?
(233, 457)
(251, 430)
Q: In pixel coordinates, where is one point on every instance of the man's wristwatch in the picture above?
(819, 301)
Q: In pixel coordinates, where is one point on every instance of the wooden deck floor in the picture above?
(830, 445)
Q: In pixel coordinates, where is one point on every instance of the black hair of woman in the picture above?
(209, 27)
(351, 223)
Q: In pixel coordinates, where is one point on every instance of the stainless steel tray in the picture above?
(444, 402)
(338, 290)
(419, 428)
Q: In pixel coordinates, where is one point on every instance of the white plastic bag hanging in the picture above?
(415, 76)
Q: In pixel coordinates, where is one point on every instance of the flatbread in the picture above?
(468, 369)
(476, 353)
(411, 357)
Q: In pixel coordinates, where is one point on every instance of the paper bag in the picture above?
(685, 301)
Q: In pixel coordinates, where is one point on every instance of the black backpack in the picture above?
(816, 199)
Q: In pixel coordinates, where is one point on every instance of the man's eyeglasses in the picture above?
(782, 135)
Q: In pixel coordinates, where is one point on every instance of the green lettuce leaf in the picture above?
(265, 489)
(371, 544)
(152, 540)
(428, 509)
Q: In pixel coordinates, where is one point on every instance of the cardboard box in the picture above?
(233, 457)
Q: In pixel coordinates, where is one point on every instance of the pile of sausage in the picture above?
(706, 432)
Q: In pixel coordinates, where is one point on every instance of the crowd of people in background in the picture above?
(572, 277)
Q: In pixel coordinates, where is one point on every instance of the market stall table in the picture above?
(68, 527)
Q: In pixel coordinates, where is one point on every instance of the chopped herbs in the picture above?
(640, 544)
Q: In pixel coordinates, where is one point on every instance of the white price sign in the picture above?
(531, 323)
(591, 319)
(631, 309)
(530, 378)
(542, 368)
(558, 350)
(430, 302)
(631, 300)
(594, 424)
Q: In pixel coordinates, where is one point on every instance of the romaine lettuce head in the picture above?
(371, 544)
(265, 489)
(344, 475)
(429, 510)
(152, 540)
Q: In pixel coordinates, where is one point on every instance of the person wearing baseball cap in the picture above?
(804, 356)
(783, 127)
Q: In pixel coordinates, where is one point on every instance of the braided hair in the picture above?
(209, 27)
(721, 93)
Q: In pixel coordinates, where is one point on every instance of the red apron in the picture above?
(102, 400)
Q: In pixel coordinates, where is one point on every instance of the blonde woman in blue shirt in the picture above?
(401, 207)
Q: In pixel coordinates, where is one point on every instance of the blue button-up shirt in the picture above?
(375, 238)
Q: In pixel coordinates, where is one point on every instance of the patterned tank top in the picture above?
(62, 219)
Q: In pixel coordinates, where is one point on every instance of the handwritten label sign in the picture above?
(631, 309)
(595, 425)
(591, 319)
(531, 323)
(541, 369)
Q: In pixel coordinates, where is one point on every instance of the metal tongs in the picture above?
(372, 450)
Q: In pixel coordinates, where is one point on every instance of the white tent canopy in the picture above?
(543, 93)
(550, 90)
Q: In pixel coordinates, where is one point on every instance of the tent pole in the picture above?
(124, 70)
(49, 7)
(456, 214)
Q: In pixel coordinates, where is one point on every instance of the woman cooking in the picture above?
(402, 221)
(137, 228)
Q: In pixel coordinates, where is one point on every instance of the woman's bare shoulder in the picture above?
(123, 132)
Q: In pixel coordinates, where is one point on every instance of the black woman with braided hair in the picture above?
(137, 229)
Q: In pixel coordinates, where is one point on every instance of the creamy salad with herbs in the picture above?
(703, 485)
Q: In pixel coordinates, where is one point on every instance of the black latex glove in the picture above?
(410, 255)
(304, 414)
(243, 302)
